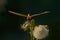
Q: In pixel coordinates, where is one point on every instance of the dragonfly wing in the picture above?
(17, 13)
(40, 13)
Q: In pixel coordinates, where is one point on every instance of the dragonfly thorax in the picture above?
(28, 16)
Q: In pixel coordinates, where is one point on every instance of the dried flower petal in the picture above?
(40, 32)
(25, 25)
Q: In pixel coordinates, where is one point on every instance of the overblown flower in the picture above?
(25, 25)
(40, 31)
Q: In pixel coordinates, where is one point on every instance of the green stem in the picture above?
(36, 39)
(31, 33)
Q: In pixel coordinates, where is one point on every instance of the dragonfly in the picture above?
(28, 17)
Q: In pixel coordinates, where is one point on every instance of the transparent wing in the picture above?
(17, 13)
(40, 13)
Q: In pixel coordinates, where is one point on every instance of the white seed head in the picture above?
(40, 32)
(25, 25)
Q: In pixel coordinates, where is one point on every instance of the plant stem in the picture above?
(31, 33)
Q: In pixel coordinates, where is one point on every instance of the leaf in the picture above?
(32, 22)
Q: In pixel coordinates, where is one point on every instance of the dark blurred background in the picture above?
(10, 23)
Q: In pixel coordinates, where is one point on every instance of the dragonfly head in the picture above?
(28, 16)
